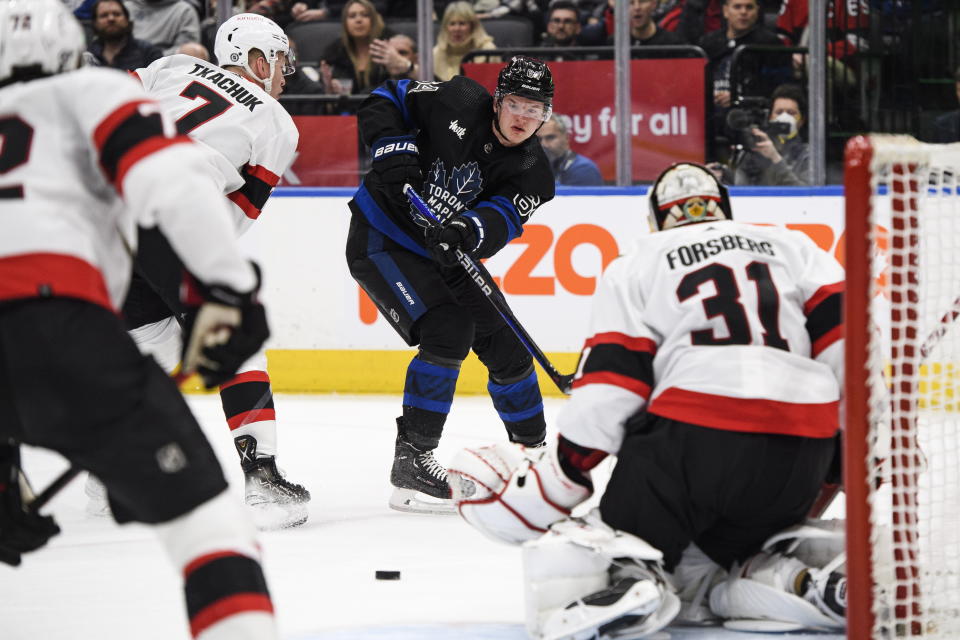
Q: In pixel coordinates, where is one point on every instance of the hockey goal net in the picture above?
(902, 439)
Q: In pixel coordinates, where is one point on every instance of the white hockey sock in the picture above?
(215, 548)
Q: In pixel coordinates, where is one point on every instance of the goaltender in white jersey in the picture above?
(712, 370)
(768, 295)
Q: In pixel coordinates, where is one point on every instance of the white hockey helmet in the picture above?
(38, 37)
(687, 193)
(244, 32)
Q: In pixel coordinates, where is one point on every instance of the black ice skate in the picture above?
(420, 482)
(276, 502)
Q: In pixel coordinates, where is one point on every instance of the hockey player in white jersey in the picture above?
(713, 372)
(85, 157)
(249, 140)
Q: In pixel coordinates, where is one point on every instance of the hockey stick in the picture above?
(53, 489)
(481, 277)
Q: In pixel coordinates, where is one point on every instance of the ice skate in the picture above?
(276, 502)
(420, 482)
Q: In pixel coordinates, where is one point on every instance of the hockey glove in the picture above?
(459, 233)
(223, 330)
(396, 161)
(21, 529)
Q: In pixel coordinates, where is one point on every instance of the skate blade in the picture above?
(413, 501)
(270, 516)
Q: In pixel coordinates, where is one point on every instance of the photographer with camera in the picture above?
(769, 149)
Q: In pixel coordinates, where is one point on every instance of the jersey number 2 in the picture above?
(16, 136)
(214, 105)
(726, 303)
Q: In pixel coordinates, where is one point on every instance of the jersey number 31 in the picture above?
(726, 304)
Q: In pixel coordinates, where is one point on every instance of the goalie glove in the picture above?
(223, 330)
(515, 493)
(21, 529)
(396, 161)
(463, 232)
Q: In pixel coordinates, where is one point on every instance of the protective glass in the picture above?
(527, 108)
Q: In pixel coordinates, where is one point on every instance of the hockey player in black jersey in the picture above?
(478, 164)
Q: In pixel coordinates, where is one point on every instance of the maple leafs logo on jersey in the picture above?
(450, 194)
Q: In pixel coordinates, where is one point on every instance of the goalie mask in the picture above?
(246, 32)
(687, 193)
(37, 38)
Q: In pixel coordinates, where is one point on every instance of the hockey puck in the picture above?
(387, 575)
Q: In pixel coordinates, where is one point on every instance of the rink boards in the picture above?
(327, 336)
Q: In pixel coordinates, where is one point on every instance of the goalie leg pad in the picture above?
(516, 492)
(584, 579)
(779, 588)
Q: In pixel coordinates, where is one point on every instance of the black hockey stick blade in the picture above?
(481, 277)
(53, 489)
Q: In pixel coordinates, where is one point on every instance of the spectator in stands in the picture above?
(165, 23)
(563, 24)
(350, 57)
(308, 81)
(776, 154)
(195, 49)
(946, 128)
(643, 30)
(743, 27)
(82, 9)
(848, 23)
(643, 26)
(398, 55)
(690, 19)
(460, 33)
(286, 12)
(569, 168)
(113, 43)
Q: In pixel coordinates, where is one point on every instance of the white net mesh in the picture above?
(914, 458)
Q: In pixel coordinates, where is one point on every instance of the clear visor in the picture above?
(526, 108)
(288, 62)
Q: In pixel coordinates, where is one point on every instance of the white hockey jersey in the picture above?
(80, 157)
(723, 325)
(250, 138)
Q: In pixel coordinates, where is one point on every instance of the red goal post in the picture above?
(902, 395)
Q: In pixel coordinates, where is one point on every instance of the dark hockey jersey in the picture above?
(464, 165)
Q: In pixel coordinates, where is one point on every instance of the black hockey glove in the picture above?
(460, 232)
(396, 161)
(21, 529)
(222, 330)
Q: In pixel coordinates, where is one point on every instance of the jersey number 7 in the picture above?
(214, 105)
(726, 303)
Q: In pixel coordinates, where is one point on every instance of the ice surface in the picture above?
(99, 581)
